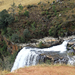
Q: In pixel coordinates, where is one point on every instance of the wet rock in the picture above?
(55, 57)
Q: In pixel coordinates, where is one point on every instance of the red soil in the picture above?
(45, 70)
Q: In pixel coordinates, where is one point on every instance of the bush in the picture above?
(3, 50)
(9, 31)
(22, 39)
(26, 33)
(48, 16)
(29, 6)
(3, 31)
(20, 7)
(53, 32)
(43, 13)
(48, 61)
(15, 38)
(47, 12)
(41, 45)
(5, 19)
(50, 32)
(26, 13)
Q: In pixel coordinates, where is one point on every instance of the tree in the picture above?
(5, 18)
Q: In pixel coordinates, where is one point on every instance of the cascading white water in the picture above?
(29, 56)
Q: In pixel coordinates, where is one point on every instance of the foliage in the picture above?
(13, 56)
(48, 61)
(33, 26)
(3, 31)
(54, 9)
(20, 7)
(39, 3)
(22, 40)
(26, 33)
(50, 32)
(13, 8)
(41, 45)
(53, 2)
(43, 13)
(3, 50)
(53, 32)
(9, 31)
(26, 13)
(47, 12)
(5, 19)
(15, 38)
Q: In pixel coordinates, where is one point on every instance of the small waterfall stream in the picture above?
(31, 56)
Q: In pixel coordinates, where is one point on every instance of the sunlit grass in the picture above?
(3, 72)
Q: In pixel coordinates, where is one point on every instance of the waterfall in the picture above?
(30, 56)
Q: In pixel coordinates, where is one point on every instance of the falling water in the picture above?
(30, 56)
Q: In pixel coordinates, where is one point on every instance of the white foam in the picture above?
(27, 57)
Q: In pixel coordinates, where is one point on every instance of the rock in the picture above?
(54, 57)
(59, 15)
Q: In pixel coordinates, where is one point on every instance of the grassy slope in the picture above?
(5, 4)
(44, 19)
(45, 70)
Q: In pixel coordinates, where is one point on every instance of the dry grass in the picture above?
(45, 70)
(3, 72)
(5, 4)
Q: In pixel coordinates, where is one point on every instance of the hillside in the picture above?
(25, 20)
(45, 70)
(5, 4)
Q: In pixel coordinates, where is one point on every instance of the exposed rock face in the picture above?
(55, 57)
(47, 42)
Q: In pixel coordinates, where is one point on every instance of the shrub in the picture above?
(13, 56)
(53, 2)
(39, 3)
(40, 45)
(43, 13)
(13, 6)
(3, 50)
(29, 6)
(33, 26)
(47, 12)
(48, 16)
(50, 32)
(3, 31)
(20, 7)
(15, 38)
(48, 61)
(9, 31)
(26, 13)
(5, 19)
(22, 39)
(53, 32)
(26, 33)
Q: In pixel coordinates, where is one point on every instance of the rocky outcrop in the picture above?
(54, 57)
(46, 42)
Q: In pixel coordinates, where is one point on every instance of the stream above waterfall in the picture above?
(31, 56)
